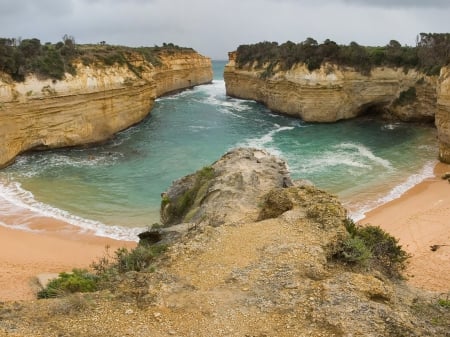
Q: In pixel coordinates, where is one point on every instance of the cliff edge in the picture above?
(251, 253)
(331, 93)
(443, 115)
(91, 105)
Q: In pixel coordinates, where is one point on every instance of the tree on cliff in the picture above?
(433, 51)
(430, 54)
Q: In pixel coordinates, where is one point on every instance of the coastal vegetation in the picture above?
(79, 280)
(20, 57)
(371, 247)
(104, 271)
(432, 51)
(174, 209)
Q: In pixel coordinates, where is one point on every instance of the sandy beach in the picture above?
(420, 218)
(24, 255)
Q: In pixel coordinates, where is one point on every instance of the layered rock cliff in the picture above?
(332, 93)
(92, 105)
(443, 115)
(252, 255)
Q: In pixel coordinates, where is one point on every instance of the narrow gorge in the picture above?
(333, 92)
(92, 105)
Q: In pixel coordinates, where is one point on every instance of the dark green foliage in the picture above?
(18, 58)
(139, 258)
(406, 97)
(430, 54)
(77, 281)
(372, 247)
(354, 250)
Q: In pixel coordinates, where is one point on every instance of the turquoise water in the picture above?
(365, 161)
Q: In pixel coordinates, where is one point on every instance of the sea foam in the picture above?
(426, 172)
(13, 194)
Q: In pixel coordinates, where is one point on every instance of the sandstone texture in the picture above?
(253, 257)
(443, 115)
(92, 105)
(332, 93)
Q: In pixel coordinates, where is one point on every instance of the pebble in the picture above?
(129, 311)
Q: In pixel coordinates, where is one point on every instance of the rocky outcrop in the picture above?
(332, 93)
(258, 252)
(253, 257)
(92, 105)
(443, 115)
(211, 193)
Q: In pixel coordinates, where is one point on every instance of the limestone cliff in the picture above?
(92, 105)
(443, 115)
(332, 93)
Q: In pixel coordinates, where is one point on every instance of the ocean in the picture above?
(114, 189)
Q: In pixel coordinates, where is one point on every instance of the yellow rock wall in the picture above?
(443, 115)
(91, 106)
(332, 93)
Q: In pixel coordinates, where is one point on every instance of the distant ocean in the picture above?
(114, 189)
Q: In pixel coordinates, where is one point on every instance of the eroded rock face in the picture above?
(332, 93)
(228, 191)
(443, 115)
(91, 106)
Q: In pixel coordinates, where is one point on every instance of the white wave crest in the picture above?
(426, 172)
(264, 141)
(14, 194)
(331, 159)
(366, 153)
(56, 160)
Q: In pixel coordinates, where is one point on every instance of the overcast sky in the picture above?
(214, 27)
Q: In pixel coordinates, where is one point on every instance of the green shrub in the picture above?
(354, 250)
(372, 247)
(19, 58)
(429, 55)
(137, 259)
(80, 280)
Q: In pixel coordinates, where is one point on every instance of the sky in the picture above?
(215, 27)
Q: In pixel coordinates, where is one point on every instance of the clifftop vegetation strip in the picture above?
(432, 51)
(18, 58)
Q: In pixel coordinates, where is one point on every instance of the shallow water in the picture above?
(115, 188)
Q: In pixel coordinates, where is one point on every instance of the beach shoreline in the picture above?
(58, 248)
(419, 219)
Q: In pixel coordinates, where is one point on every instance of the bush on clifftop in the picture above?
(19, 58)
(79, 280)
(371, 247)
(432, 51)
